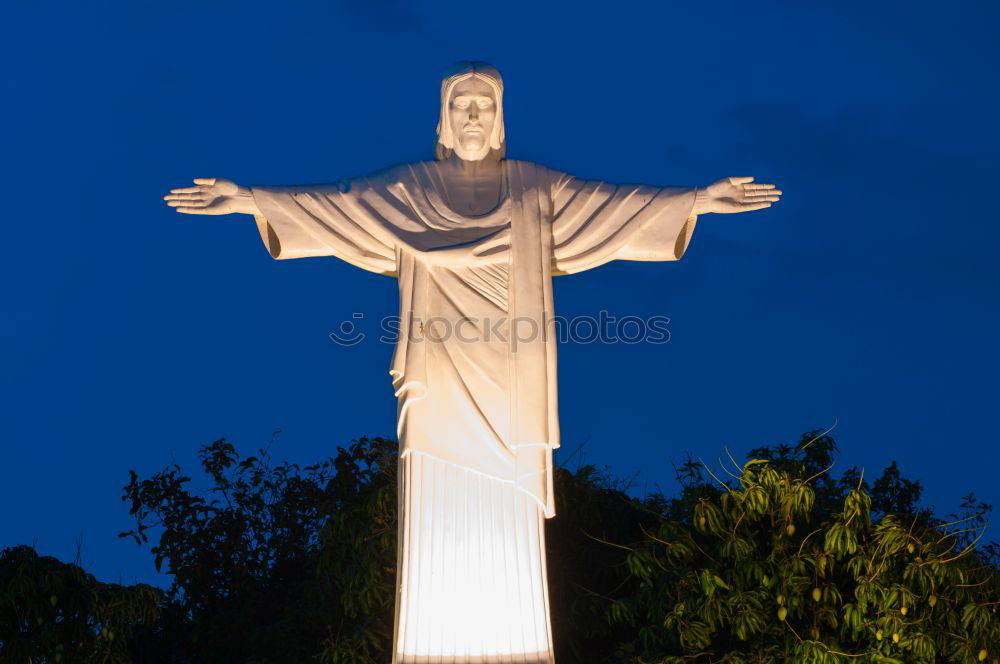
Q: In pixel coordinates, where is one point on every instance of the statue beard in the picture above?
(468, 153)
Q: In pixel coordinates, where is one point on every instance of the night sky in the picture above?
(132, 335)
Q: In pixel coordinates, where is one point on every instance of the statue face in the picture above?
(472, 111)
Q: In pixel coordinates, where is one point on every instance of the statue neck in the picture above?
(472, 187)
(482, 169)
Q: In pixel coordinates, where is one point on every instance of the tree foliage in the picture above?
(298, 562)
(52, 611)
(779, 561)
(770, 561)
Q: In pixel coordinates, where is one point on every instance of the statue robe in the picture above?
(448, 266)
(474, 372)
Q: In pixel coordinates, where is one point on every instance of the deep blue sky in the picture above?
(132, 335)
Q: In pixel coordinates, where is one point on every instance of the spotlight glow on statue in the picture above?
(474, 240)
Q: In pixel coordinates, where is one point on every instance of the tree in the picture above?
(52, 611)
(297, 562)
(781, 562)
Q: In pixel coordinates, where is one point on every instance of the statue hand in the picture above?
(212, 196)
(735, 194)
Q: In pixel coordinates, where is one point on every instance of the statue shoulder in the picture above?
(524, 163)
(545, 176)
(540, 171)
(395, 174)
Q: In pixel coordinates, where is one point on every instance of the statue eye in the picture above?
(461, 103)
(485, 103)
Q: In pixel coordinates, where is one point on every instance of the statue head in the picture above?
(471, 123)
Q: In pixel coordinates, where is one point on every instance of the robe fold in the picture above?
(474, 373)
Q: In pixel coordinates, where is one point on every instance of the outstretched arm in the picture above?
(212, 196)
(735, 194)
(595, 222)
(299, 222)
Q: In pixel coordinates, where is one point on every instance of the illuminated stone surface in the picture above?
(474, 240)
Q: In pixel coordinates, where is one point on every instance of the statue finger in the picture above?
(762, 199)
(205, 181)
(740, 179)
(757, 187)
(184, 197)
(199, 204)
(750, 207)
(193, 210)
(185, 190)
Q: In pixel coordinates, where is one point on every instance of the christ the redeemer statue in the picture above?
(474, 240)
